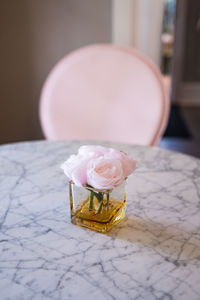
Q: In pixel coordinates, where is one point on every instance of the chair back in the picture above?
(105, 93)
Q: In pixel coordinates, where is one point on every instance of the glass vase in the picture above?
(97, 210)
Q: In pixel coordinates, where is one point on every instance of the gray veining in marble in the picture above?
(153, 254)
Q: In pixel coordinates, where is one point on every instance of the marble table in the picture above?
(153, 254)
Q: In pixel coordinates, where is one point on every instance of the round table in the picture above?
(153, 254)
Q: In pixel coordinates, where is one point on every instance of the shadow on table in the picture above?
(171, 242)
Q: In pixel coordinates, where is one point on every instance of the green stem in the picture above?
(91, 197)
(100, 207)
(95, 194)
(108, 198)
(98, 196)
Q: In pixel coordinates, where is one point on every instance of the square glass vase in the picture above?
(98, 210)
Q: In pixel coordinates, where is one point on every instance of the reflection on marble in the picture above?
(153, 254)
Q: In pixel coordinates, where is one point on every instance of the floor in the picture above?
(189, 146)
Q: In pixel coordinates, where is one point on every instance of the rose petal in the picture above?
(128, 164)
(75, 168)
(104, 173)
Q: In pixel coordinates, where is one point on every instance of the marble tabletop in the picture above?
(153, 254)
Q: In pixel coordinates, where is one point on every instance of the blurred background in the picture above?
(36, 34)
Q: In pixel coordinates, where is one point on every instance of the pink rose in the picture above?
(128, 164)
(104, 173)
(100, 167)
(93, 151)
(76, 166)
(76, 169)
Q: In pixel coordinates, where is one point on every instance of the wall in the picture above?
(186, 59)
(138, 23)
(124, 22)
(35, 34)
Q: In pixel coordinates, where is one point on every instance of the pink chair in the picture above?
(104, 92)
